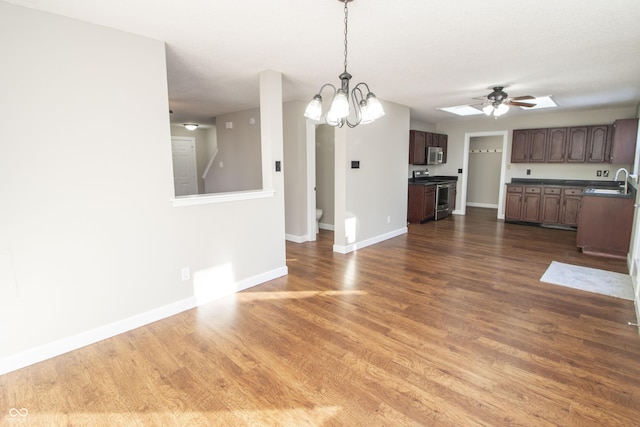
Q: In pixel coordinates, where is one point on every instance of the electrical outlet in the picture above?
(389, 220)
(186, 273)
(598, 173)
(528, 171)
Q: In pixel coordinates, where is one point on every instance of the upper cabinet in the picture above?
(420, 140)
(623, 149)
(599, 144)
(529, 146)
(556, 145)
(577, 144)
(417, 147)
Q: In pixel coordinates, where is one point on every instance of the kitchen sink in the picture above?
(604, 191)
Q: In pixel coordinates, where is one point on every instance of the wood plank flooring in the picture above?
(448, 325)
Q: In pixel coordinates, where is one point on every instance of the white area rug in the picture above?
(589, 279)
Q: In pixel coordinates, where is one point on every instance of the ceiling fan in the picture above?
(498, 102)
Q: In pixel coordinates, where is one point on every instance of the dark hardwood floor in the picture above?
(446, 325)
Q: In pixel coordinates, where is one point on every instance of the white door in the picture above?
(183, 150)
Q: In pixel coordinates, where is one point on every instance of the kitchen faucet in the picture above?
(626, 178)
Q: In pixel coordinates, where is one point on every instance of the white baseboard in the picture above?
(324, 226)
(482, 205)
(296, 239)
(65, 345)
(368, 242)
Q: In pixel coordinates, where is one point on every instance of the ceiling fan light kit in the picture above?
(367, 108)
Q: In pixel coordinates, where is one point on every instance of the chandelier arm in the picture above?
(365, 85)
(331, 86)
(356, 108)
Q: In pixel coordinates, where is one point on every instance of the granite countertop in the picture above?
(433, 180)
(567, 182)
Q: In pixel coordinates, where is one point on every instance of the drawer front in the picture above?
(514, 188)
(532, 190)
(552, 190)
(572, 191)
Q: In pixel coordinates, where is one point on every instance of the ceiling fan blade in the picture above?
(519, 98)
(522, 104)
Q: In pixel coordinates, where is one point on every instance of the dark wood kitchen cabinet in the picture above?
(531, 208)
(543, 204)
(571, 203)
(417, 147)
(523, 203)
(421, 203)
(556, 145)
(420, 140)
(577, 144)
(605, 226)
(513, 204)
(529, 146)
(599, 144)
(623, 147)
(550, 208)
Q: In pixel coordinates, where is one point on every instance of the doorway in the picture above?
(320, 177)
(484, 172)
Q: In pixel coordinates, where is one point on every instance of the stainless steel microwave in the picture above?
(434, 155)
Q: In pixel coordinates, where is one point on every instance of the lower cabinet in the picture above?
(605, 226)
(551, 205)
(421, 203)
(571, 203)
(543, 204)
(523, 203)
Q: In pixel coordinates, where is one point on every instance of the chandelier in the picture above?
(367, 108)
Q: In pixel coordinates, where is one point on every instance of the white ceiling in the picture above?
(420, 53)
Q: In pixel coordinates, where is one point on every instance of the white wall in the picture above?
(371, 202)
(90, 243)
(295, 167)
(238, 165)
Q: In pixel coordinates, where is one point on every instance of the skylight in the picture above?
(541, 102)
(462, 110)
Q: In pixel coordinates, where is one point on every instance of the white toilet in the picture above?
(318, 216)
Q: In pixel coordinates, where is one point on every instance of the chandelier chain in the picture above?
(346, 16)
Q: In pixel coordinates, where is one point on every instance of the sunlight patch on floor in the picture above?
(260, 296)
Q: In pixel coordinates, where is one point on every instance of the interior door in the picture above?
(183, 151)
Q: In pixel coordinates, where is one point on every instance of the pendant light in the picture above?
(366, 108)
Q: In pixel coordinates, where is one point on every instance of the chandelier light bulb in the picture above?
(375, 106)
(340, 105)
(314, 109)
